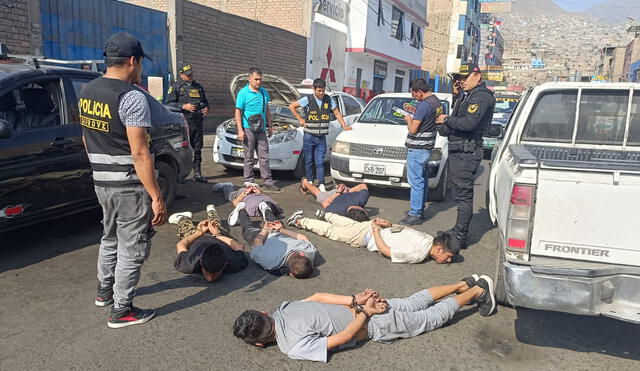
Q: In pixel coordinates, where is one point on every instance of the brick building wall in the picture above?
(290, 15)
(436, 38)
(219, 45)
(153, 4)
(20, 26)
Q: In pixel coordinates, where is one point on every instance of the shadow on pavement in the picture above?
(462, 314)
(480, 224)
(578, 333)
(33, 244)
(251, 279)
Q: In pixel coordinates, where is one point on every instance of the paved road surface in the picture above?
(47, 275)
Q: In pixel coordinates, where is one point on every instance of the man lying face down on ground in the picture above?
(311, 328)
(399, 243)
(341, 200)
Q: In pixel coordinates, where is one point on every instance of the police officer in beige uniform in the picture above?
(115, 119)
(471, 115)
(188, 95)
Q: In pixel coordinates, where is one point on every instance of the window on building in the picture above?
(461, 22)
(416, 36)
(397, 86)
(397, 23)
(460, 53)
(380, 14)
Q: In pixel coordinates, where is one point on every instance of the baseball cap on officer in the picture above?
(122, 44)
(465, 70)
(186, 69)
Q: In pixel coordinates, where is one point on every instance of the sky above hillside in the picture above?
(577, 5)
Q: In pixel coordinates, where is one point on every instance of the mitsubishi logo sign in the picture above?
(329, 70)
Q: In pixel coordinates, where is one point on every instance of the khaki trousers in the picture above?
(338, 228)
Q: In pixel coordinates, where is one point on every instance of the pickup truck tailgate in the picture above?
(587, 206)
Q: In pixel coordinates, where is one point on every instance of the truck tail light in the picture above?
(519, 218)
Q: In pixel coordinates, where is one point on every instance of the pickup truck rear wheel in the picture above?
(168, 182)
(439, 193)
(500, 289)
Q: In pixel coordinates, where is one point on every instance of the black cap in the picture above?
(186, 69)
(466, 69)
(122, 44)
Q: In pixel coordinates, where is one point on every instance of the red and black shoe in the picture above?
(104, 297)
(127, 316)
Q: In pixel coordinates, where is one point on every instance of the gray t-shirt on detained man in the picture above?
(302, 328)
(276, 249)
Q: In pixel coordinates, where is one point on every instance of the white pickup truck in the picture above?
(564, 191)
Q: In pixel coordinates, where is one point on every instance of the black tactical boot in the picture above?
(197, 176)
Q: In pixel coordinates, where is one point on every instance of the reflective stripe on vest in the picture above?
(113, 176)
(427, 138)
(99, 158)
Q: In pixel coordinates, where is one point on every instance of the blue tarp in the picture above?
(437, 83)
(78, 29)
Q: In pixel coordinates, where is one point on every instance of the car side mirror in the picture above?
(6, 129)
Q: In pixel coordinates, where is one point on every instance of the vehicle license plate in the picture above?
(374, 169)
(237, 152)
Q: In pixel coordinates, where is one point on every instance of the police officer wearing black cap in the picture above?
(188, 95)
(116, 119)
(470, 116)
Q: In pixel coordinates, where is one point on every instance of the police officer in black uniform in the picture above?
(470, 116)
(188, 95)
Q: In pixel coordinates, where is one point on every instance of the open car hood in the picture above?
(280, 90)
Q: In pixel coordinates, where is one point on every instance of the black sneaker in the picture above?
(271, 188)
(127, 316)
(104, 297)
(411, 220)
(471, 280)
(487, 301)
(320, 214)
(293, 219)
(197, 176)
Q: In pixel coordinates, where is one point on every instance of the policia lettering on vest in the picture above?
(471, 114)
(318, 108)
(115, 119)
(188, 95)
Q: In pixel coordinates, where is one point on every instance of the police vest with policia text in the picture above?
(105, 134)
(317, 118)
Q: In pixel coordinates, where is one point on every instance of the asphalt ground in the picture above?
(49, 321)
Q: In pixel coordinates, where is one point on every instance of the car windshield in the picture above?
(505, 105)
(388, 110)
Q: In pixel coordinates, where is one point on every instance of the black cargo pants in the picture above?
(196, 138)
(462, 169)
